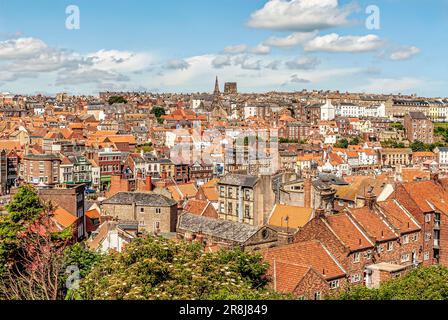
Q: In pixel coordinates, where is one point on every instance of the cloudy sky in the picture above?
(179, 45)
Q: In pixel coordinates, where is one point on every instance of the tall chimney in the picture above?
(307, 191)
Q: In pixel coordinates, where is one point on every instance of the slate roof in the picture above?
(228, 230)
(239, 180)
(141, 199)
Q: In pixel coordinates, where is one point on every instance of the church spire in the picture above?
(216, 92)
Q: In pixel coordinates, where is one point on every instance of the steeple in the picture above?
(216, 92)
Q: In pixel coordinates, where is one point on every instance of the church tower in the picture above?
(216, 92)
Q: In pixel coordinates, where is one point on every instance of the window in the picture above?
(141, 223)
(221, 207)
(222, 192)
(157, 226)
(247, 211)
(142, 210)
(368, 255)
(405, 257)
(317, 296)
(426, 256)
(334, 284)
(229, 208)
(406, 239)
(428, 218)
(416, 236)
(356, 278)
(390, 246)
(428, 236)
(158, 210)
(230, 194)
(356, 257)
(247, 195)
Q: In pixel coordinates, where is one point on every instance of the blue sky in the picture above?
(181, 46)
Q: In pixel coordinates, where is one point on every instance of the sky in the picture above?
(396, 46)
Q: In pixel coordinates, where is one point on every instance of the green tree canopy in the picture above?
(158, 112)
(159, 269)
(343, 144)
(421, 284)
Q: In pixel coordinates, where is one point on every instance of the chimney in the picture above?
(307, 191)
(139, 174)
(435, 177)
(370, 199)
(320, 213)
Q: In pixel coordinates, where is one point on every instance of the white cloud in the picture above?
(303, 63)
(221, 61)
(119, 61)
(261, 49)
(404, 53)
(300, 15)
(237, 49)
(390, 85)
(336, 43)
(177, 64)
(292, 40)
(21, 48)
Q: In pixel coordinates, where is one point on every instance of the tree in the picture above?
(158, 112)
(342, 144)
(159, 269)
(355, 141)
(429, 283)
(116, 99)
(24, 209)
(419, 146)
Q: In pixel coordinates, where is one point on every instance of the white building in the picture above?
(327, 111)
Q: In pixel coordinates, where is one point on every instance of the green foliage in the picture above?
(159, 269)
(146, 148)
(392, 144)
(158, 112)
(441, 130)
(25, 205)
(397, 126)
(421, 284)
(116, 99)
(417, 146)
(83, 258)
(285, 140)
(342, 144)
(24, 208)
(355, 141)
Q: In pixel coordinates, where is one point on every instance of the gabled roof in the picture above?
(297, 217)
(375, 225)
(239, 180)
(311, 254)
(223, 229)
(143, 199)
(397, 215)
(348, 232)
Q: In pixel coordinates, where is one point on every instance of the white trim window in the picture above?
(390, 246)
(334, 284)
(356, 278)
(406, 239)
(406, 257)
(356, 257)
